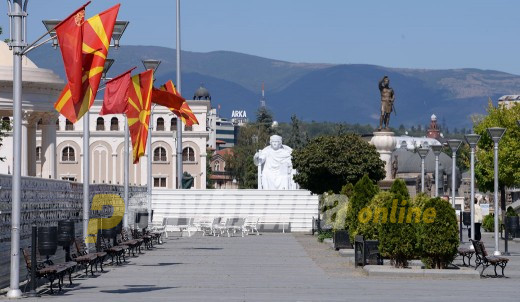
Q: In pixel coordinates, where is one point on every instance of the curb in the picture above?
(388, 271)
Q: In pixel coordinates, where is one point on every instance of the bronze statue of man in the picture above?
(387, 102)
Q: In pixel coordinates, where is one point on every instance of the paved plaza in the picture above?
(270, 267)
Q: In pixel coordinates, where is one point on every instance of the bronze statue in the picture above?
(395, 164)
(387, 102)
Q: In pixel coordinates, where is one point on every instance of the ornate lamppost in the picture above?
(496, 134)
(422, 153)
(472, 140)
(437, 151)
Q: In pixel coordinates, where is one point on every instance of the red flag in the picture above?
(138, 111)
(97, 32)
(116, 94)
(70, 38)
(185, 113)
(167, 99)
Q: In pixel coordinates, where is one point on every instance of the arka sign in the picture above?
(238, 114)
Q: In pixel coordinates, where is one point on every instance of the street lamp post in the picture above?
(496, 134)
(422, 153)
(472, 140)
(437, 151)
(153, 65)
(454, 145)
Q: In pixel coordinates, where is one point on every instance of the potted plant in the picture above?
(341, 237)
(512, 222)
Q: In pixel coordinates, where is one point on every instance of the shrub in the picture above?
(347, 190)
(399, 188)
(488, 223)
(369, 230)
(331, 204)
(397, 238)
(438, 241)
(510, 212)
(341, 217)
(364, 191)
(324, 234)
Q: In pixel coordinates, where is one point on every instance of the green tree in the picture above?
(264, 119)
(400, 190)
(209, 170)
(397, 237)
(369, 229)
(509, 159)
(251, 138)
(438, 240)
(363, 192)
(328, 162)
(297, 137)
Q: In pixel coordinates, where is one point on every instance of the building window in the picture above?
(217, 166)
(159, 154)
(38, 153)
(188, 128)
(69, 126)
(159, 182)
(160, 124)
(39, 124)
(100, 124)
(68, 154)
(69, 178)
(114, 124)
(188, 154)
(173, 124)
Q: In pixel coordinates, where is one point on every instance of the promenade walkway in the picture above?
(270, 267)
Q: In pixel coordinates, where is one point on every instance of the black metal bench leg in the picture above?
(495, 268)
(91, 269)
(70, 276)
(101, 264)
(503, 267)
(51, 280)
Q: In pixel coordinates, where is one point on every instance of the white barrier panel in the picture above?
(293, 207)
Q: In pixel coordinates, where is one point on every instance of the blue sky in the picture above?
(400, 33)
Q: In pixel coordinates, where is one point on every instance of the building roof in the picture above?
(225, 151)
(410, 162)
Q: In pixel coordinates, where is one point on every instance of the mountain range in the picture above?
(315, 92)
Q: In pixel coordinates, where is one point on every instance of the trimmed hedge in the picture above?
(370, 229)
(438, 240)
(363, 192)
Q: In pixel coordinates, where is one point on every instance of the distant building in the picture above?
(221, 178)
(509, 100)
(434, 131)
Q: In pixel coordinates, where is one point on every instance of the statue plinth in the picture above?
(385, 144)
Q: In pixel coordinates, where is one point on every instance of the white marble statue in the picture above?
(275, 170)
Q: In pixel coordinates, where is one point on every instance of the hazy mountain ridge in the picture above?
(313, 91)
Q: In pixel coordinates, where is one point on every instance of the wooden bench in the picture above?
(116, 251)
(483, 259)
(86, 259)
(466, 253)
(133, 244)
(49, 271)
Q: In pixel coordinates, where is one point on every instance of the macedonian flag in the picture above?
(185, 113)
(97, 32)
(138, 111)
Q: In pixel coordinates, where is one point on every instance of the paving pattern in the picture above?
(270, 267)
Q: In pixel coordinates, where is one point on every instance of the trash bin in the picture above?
(141, 219)
(47, 240)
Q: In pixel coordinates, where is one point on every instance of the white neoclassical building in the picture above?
(53, 147)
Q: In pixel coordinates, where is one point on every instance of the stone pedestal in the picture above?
(385, 143)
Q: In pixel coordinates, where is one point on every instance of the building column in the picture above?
(114, 168)
(25, 147)
(31, 144)
(49, 145)
(173, 175)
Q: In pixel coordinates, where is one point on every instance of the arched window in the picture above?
(217, 166)
(38, 153)
(173, 124)
(69, 125)
(100, 124)
(160, 124)
(159, 154)
(188, 154)
(114, 124)
(68, 154)
(39, 124)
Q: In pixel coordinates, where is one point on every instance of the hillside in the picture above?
(320, 92)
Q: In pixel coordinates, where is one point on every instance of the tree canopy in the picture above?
(509, 148)
(327, 163)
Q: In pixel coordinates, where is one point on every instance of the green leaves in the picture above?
(329, 162)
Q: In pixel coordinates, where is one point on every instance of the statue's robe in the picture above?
(276, 168)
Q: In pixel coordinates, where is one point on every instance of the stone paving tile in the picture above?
(270, 267)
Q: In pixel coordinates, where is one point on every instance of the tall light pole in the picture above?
(179, 121)
(422, 153)
(454, 145)
(153, 65)
(437, 151)
(17, 14)
(472, 140)
(496, 134)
